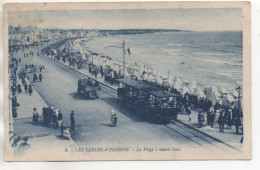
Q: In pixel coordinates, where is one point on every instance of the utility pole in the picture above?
(239, 99)
(124, 58)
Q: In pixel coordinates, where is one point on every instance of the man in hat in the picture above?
(229, 119)
(112, 117)
(35, 116)
(72, 120)
(221, 122)
(60, 117)
(212, 118)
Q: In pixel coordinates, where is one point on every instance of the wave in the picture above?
(172, 50)
(177, 45)
(213, 54)
(219, 61)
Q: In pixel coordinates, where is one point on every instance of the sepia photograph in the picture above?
(127, 81)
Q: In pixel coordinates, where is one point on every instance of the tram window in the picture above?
(122, 85)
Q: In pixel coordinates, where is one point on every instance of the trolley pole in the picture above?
(123, 58)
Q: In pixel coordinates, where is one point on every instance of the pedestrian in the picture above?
(188, 111)
(115, 119)
(55, 120)
(112, 117)
(72, 120)
(208, 118)
(14, 89)
(212, 118)
(35, 77)
(229, 121)
(61, 129)
(25, 87)
(60, 117)
(40, 77)
(237, 123)
(200, 119)
(221, 122)
(19, 87)
(30, 89)
(35, 116)
(23, 81)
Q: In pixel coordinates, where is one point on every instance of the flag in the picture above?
(128, 50)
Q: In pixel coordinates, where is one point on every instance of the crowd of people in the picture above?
(214, 114)
(54, 117)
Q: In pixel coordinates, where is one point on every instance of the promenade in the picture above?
(229, 136)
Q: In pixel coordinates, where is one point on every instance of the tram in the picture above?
(153, 102)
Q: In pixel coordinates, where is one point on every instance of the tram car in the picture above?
(88, 88)
(156, 104)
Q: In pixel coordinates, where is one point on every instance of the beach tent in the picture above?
(185, 90)
(171, 81)
(151, 78)
(159, 80)
(116, 68)
(178, 83)
(126, 73)
(215, 95)
(230, 98)
(164, 76)
(108, 63)
(166, 82)
(155, 73)
(146, 76)
(223, 90)
(235, 93)
(200, 92)
(193, 87)
(186, 83)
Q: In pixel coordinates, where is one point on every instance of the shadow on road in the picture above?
(76, 96)
(129, 112)
(105, 124)
(41, 123)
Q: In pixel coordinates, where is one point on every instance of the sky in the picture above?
(217, 19)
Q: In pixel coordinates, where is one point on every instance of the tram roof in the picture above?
(161, 93)
(147, 87)
(133, 83)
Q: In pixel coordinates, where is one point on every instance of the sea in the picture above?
(209, 58)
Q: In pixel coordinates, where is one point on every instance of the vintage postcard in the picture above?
(127, 81)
